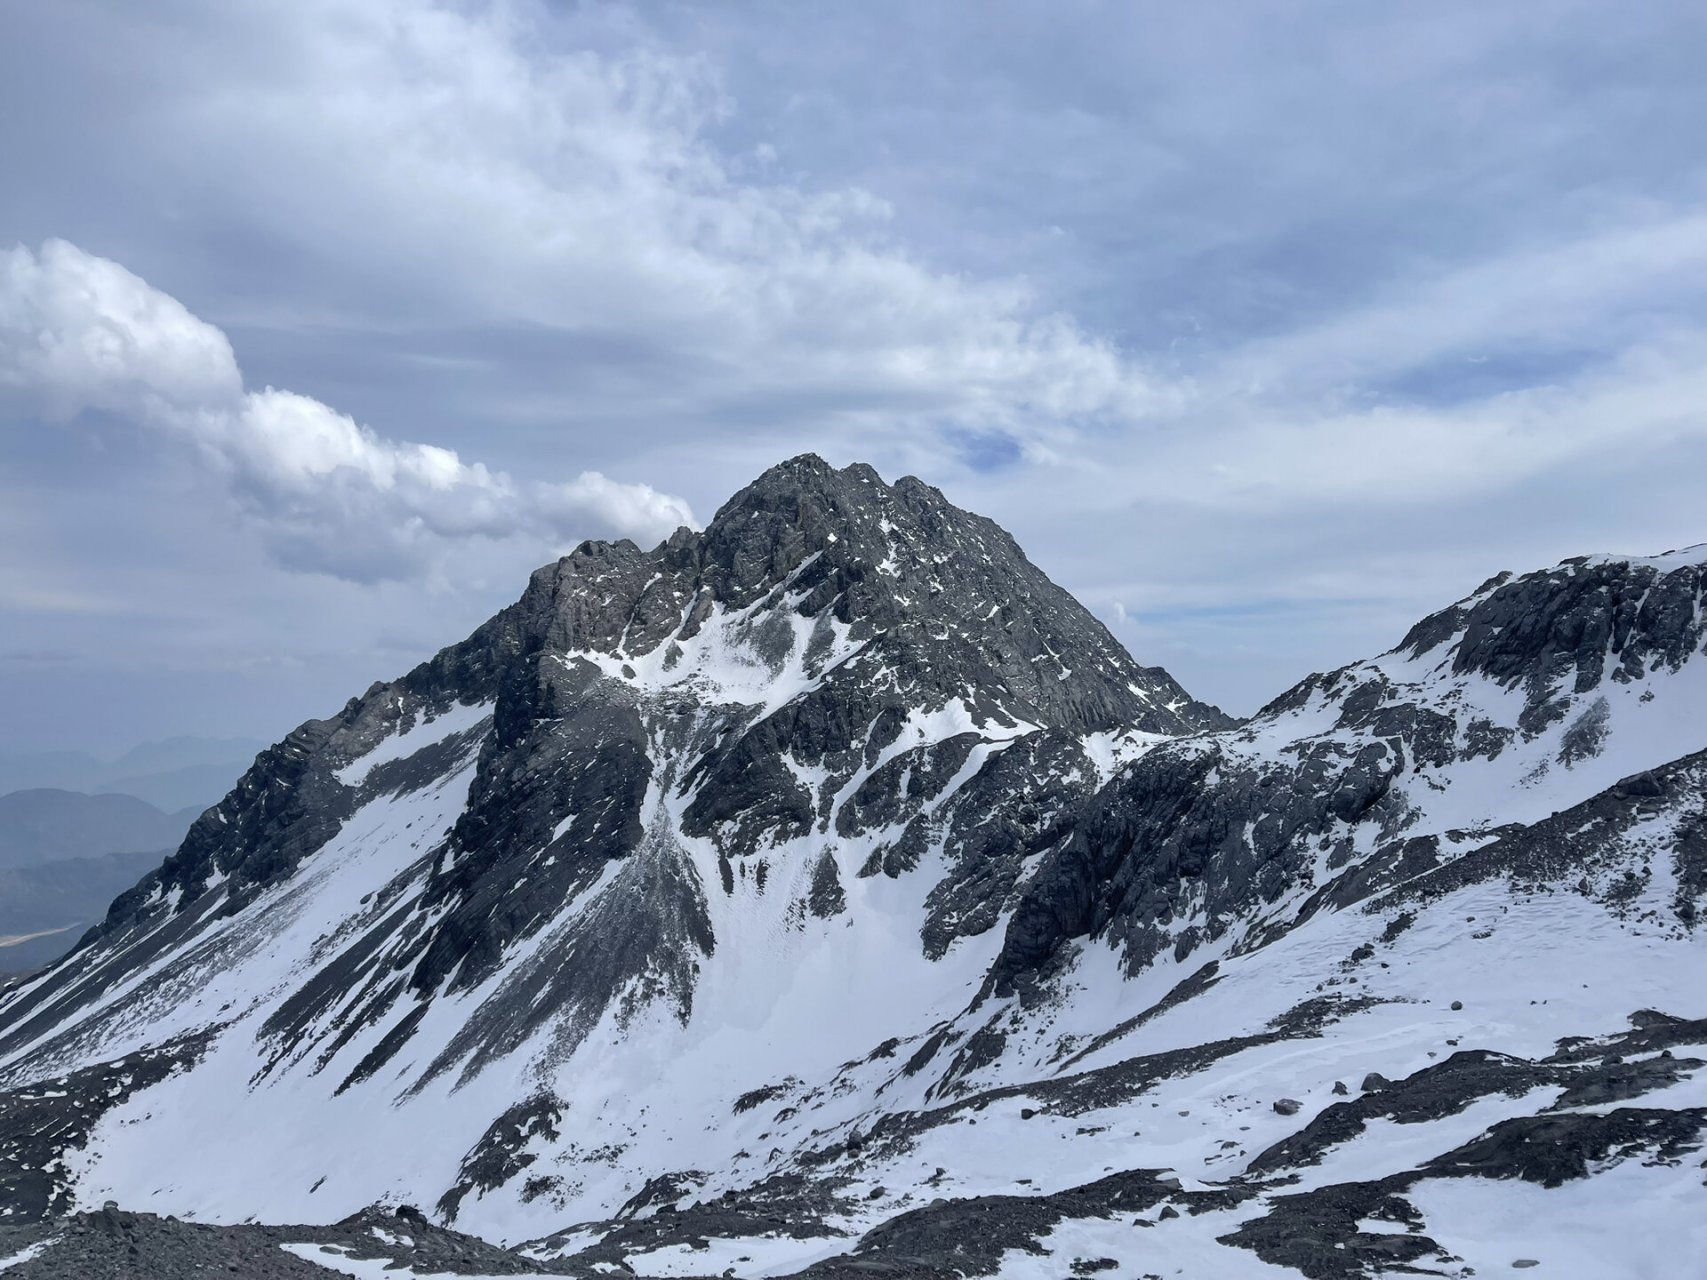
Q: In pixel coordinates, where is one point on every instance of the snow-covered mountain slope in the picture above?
(1524, 698)
(767, 775)
(828, 890)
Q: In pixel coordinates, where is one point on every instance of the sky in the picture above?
(1266, 328)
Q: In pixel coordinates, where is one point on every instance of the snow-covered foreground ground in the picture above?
(1548, 966)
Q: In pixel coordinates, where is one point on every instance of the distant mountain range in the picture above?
(76, 829)
(828, 893)
(45, 825)
(170, 774)
(64, 856)
(45, 909)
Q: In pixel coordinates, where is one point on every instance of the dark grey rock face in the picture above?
(1552, 1150)
(1553, 634)
(1468, 1076)
(1580, 623)
(1192, 839)
(972, 1236)
(115, 1244)
(502, 1152)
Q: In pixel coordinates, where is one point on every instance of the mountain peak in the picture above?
(1586, 618)
(908, 574)
(805, 493)
(851, 494)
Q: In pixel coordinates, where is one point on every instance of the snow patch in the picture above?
(400, 746)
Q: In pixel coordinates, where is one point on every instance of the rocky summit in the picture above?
(828, 893)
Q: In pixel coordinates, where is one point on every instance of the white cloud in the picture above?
(474, 162)
(78, 332)
(1593, 290)
(1293, 457)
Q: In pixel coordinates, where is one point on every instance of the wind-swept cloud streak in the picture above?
(81, 333)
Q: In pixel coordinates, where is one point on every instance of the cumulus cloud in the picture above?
(79, 333)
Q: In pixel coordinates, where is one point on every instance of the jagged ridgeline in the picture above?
(806, 891)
